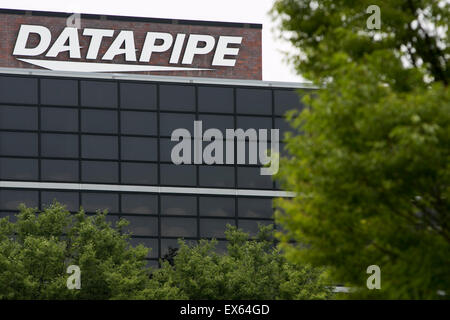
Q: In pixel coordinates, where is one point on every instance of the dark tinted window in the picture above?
(138, 123)
(59, 92)
(139, 173)
(69, 199)
(11, 199)
(181, 175)
(214, 228)
(99, 171)
(137, 96)
(171, 121)
(256, 123)
(59, 145)
(99, 147)
(18, 144)
(284, 126)
(179, 205)
(151, 244)
(15, 117)
(166, 146)
(142, 226)
(255, 207)
(59, 170)
(18, 169)
(177, 97)
(251, 178)
(215, 99)
(144, 149)
(252, 226)
(94, 201)
(59, 119)
(217, 206)
(18, 90)
(178, 227)
(139, 204)
(217, 122)
(98, 94)
(254, 101)
(286, 100)
(217, 176)
(99, 121)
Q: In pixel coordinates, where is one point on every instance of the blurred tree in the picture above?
(370, 159)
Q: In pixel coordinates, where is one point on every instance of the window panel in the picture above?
(254, 101)
(179, 205)
(18, 90)
(217, 206)
(178, 227)
(59, 92)
(18, 118)
(251, 178)
(177, 97)
(139, 203)
(255, 208)
(166, 146)
(215, 99)
(256, 123)
(139, 173)
(214, 228)
(59, 145)
(251, 226)
(142, 226)
(138, 123)
(171, 121)
(11, 199)
(143, 149)
(93, 201)
(69, 199)
(99, 147)
(151, 244)
(284, 127)
(59, 119)
(18, 144)
(59, 170)
(137, 96)
(18, 169)
(286, 100)
(217, 176)
(99, 171)
(217, 122)
(99, 94)
(99, 121)
(181, 175)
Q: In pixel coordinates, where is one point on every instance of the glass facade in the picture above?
(117, 132)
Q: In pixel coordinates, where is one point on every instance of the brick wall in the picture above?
(248, 62)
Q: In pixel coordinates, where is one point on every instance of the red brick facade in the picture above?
(248, 62)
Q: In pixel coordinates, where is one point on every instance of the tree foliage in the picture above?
(249, 269)
(37, 248)
(370, 162)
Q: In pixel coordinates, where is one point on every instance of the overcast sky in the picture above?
(252, 11)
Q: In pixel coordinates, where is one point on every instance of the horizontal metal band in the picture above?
(144, 189)
(156, 78)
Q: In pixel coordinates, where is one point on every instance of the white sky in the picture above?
(251, 11)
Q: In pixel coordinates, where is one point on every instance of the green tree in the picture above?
(36, 250)
(249, 269)
(370, 163)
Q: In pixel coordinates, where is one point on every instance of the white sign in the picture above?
(124, 44)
